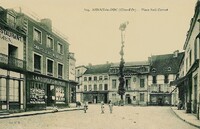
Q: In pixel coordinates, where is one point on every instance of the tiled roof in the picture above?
(165, 64)
(97, 69)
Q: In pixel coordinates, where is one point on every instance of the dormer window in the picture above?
(154, 70)
(169, 69)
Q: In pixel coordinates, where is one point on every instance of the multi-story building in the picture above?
(80, 70)
(72, 78)
(188, 85)
(95, 83)
(136, 76)
(47, 76)
(12, 62)
(163, 70)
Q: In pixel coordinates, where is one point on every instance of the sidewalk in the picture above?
(39, 112)
(187, 117)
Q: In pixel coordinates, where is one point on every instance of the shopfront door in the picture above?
(50, 95)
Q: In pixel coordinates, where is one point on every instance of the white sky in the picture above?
(94, 36)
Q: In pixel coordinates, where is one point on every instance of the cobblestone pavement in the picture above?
(125, 117)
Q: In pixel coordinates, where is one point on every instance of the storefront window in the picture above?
(37, 93)
(14, 91)
(60, 94)
(2, 89)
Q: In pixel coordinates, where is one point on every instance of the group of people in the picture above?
(110, 104)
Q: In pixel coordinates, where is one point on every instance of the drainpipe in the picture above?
(198, 108)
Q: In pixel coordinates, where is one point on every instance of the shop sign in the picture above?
(48, 80)
(8, 35)
(44, 50)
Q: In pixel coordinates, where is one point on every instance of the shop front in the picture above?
(95, 96)
(44, 91)
(160, 99)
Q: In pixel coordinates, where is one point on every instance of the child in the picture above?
(110, 106)
(102, 107)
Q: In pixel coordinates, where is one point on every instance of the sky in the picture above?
(92, 27)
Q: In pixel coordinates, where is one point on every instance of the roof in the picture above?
(165, 64)
(97, 69)
(136, 63)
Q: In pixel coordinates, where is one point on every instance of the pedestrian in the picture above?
(180, 104)
(85, 107)
(110, 106)
(102, 107)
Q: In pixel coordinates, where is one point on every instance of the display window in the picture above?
(60, 94)
(37, 93)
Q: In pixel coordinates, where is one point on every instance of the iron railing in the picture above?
(12, 62)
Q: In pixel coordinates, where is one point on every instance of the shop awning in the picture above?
(178, 81)
(189, 73)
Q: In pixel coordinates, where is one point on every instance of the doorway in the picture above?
(50, 95)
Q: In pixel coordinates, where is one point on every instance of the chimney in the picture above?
(176, 53)
(47, 23)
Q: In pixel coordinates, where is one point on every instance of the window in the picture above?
(60, 48)
(11, 20)
(195, 48)
(90, 78)
(95, 78)
(14, 90)
(49, 67)
(190, 54)
(37, 63)
(85, 78)
(134, 98)
(50, 42)
(100, 78)
(128, 83)
(105, 77)
(37, 35)
(100, 87)
(166, 80)
(169, 69)
(142, 83)
(105, 86)
(114, 84)
(2, 89)
(95, 87)
(154, 70)
(142, 97)
(85, 87)
(186, 64)
(90, 87)
(60, 70)
(154, 81)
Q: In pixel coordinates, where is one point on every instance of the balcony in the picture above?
(12, 63)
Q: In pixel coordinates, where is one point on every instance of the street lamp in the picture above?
(121, 88)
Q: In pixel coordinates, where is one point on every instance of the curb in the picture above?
(184, 119)
(38, 113)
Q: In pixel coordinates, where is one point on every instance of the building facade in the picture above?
(136, 87)
(47, 69)
(164, 69)
(80, 70)
(95, 84)
(72, 78)
(188, 82)
(12, 62)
